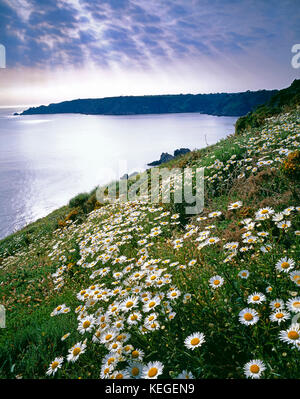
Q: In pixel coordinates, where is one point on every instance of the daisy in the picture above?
(214, 214)
(134, 369)
(291, 335)
(185, 375)
(194, 341)
(108, 336)
(151, 304)
(244, 274)
(216, 281)
(76, 351)
(152, 370)
(285, 224)
(269, 289)
(106, 371)
(134, 318)
(129, 303)
(257, 297)
(264, 213)
(235, 205)
(293, 305)
(248, 316)
(120, 375)
(65, 336)
(285, 264)
(55, 365)
(279, 316)
(137, 354)
(277, 304)
(254, 368)
(86, 324)
(174, 294)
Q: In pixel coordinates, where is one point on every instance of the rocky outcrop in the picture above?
(166, 157)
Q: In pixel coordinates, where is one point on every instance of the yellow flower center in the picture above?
(119, 376)
(58, 308)
(279, 315)
(108, 337)
(248, 316)
(86, 324)
(285, 265)
(256, 298)
(152, 372)
(296, 304)
(151, 318)
(293, 335)
(76, 351)
(195, 341)
(133, 317)
(264, 211)
(129, 304)
(54, 365)
(216, 282)
(254, 368)
(135, 371)
(135, 354)
(151, 304)
(277, 305)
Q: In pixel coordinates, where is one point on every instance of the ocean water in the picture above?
(45, 160)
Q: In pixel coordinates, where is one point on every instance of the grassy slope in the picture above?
(32, 338)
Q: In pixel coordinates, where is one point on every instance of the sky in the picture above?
(60, 50)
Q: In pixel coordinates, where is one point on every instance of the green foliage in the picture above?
(282, 101)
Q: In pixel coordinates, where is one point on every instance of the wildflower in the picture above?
(244, 274)
(137, 354)
(65, 336)
(152, 370)
(285, 264)
(76, 351)
(248, 316)
(294, 305)
(185, 375)
(291, 335)
(214, 214)
(277, 304)
(194, 341)
(216, 281)
(279, 316)
(254, 368)
(134, 369)
(55, 365)
(264, 213)
(257, 297)
(285, 224)
(86, 324)
(235, 205)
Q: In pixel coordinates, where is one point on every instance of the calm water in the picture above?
(47, 159)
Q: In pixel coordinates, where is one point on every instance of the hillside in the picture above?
(222, 104)
(283, 101)
(101, 291)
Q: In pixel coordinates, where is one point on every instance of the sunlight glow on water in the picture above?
(47, 159)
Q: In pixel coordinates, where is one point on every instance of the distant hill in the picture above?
(282, 101)
(222, 104)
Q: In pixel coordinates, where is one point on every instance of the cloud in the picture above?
(241, 39)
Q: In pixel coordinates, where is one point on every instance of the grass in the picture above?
(66, 257)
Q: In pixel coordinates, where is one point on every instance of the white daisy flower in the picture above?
(194, 341)
(55, 365)
(248, 316)
(152, 370)
(254, 368)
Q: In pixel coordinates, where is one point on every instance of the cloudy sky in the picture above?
(64, 49)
